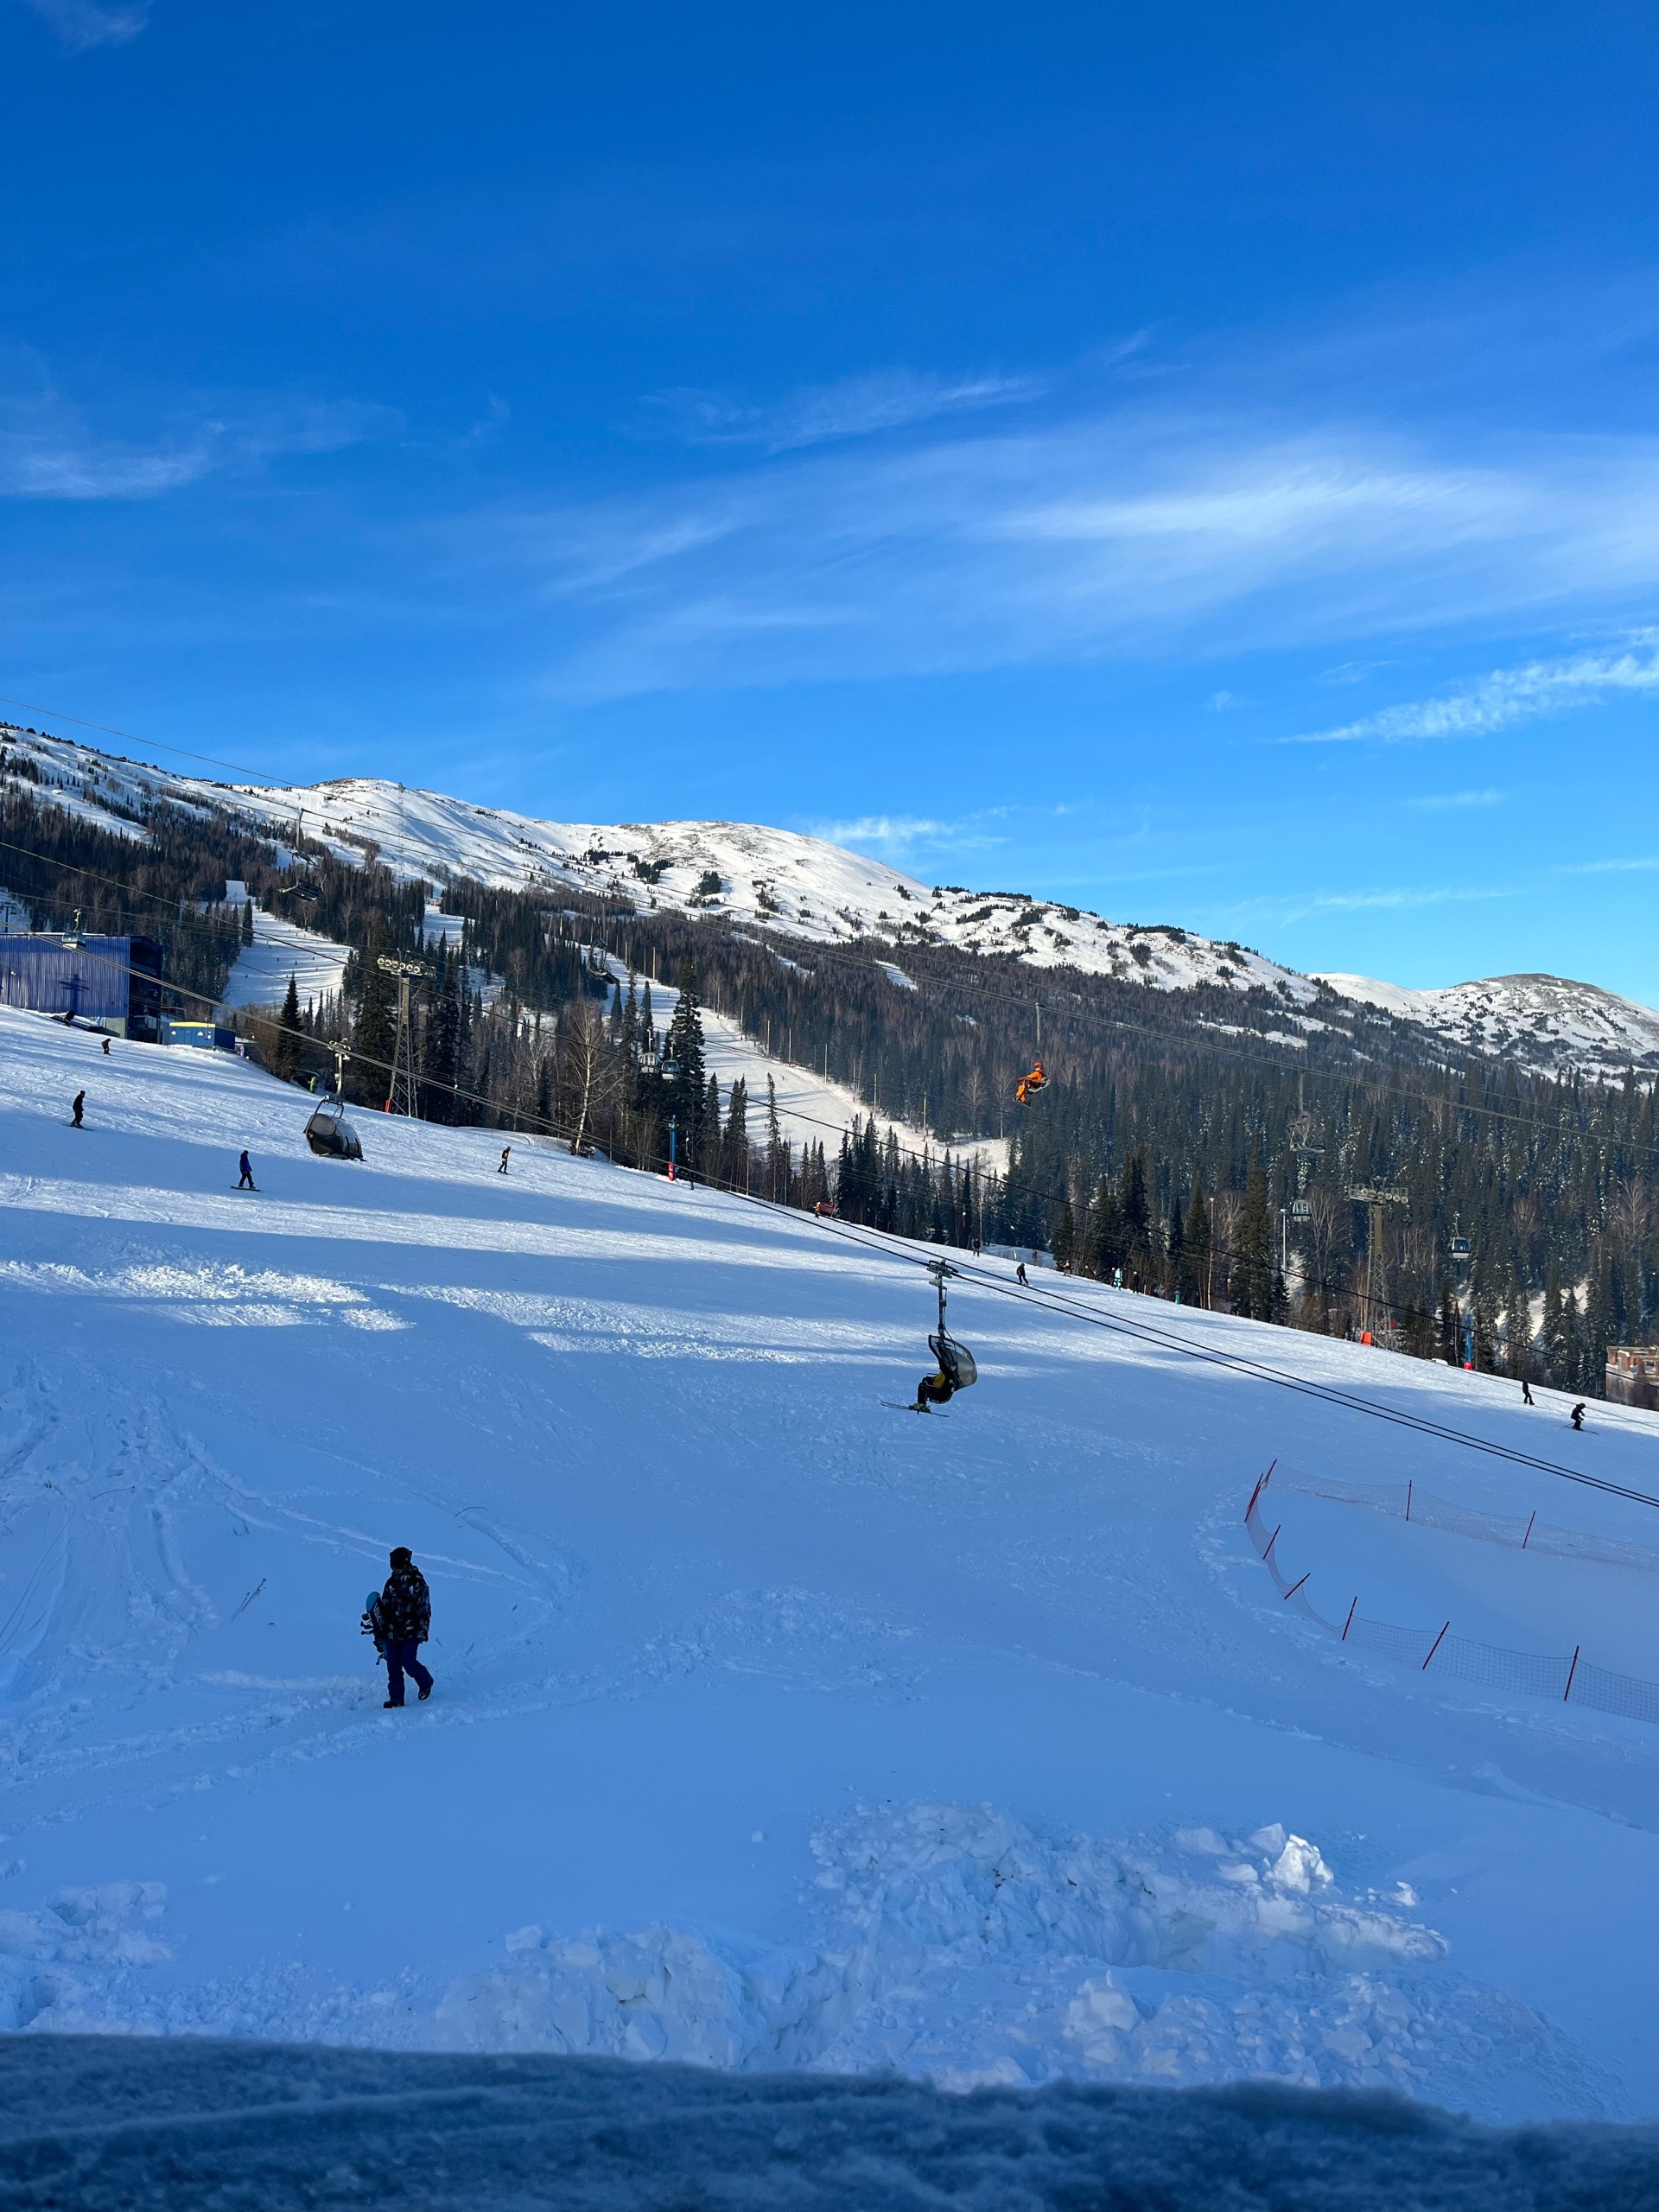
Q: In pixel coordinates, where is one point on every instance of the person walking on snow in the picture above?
(405, 1611)
(247, 1182)
(1526, 1391)
(76, 1109)
(502, 1169)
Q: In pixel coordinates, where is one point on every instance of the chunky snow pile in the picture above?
(103, 2125)
(954, 1943)
(773, 1726)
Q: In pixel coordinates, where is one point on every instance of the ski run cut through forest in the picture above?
(773, 1729)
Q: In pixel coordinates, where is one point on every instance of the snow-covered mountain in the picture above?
(807, 888)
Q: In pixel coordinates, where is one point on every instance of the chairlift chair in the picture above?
(331, 1135)
(956, 1361)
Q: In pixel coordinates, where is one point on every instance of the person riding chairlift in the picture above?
(1029, 1085)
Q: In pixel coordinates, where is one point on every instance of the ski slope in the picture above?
(772, 1728)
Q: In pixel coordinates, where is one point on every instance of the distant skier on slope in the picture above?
(502, 1169)
(1526, 1391)
(247, 1182)
(1020, 1276)
(1577, 1414)
(78, 1108)
(405, 1621)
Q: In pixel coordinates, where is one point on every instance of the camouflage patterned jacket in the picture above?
(405, 1607)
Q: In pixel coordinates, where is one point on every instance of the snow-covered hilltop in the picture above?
(809, 888)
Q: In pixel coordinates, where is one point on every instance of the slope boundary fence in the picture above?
(1572, 1680)
(1409, 1501)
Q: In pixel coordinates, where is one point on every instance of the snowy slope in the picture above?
(772, 1727)
(812, 889)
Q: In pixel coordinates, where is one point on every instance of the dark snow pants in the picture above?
(401, 1658)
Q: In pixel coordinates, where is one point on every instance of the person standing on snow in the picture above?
(1526, 1391)
(1577, 1414)
(1020, 1276)
(76, 1109)
(502, 1169)
(247, 1182)
(405, 1611)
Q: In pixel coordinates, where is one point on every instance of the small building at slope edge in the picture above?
(1633, 1374)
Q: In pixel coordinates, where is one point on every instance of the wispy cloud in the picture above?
(1440, 802)
(1507, 698)
(80, 25)
(1123, 535)
(854, 407)
(48, 451)
(894, 835)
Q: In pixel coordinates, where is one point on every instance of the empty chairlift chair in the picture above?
(330, 1134)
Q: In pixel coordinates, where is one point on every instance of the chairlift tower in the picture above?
(1374, 1196)
(401, 1098)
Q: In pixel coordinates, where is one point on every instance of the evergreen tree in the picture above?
(1253, 1249)
(375, 1034)
(1135, 1208)
(1449, 1333)
(247, 922)
(1196, 1245)
(687, 1089)
(287, 1060)
(1174, 1243)
(1065, 1235)
(1107, 1247)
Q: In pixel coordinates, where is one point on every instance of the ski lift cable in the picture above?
(890, 1248)
(1259, 1370)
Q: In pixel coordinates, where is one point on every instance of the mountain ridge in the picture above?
(809, 888)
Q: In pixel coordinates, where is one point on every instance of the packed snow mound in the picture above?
(91, 2123)
(772, 1725)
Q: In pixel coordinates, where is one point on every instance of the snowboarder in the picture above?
(106, 1047)
(77, 1109)
(1526, 1391)
(405, 1611)
(1020, 1276)
(247, 1182)
(502, 1169)
(1577, 1414)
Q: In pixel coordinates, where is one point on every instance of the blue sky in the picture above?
(1196, 461)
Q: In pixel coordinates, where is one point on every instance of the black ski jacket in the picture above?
(405, 1606)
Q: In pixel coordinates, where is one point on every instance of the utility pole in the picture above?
(402, 1100)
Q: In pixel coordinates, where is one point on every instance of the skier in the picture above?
(405, 1611)
(502, 1169)
(935, 1389)
(106, 1047)
(80, 1101)
(1577, 1415)
(1020, 1276)
(1526, 1391)
(247, 1182)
